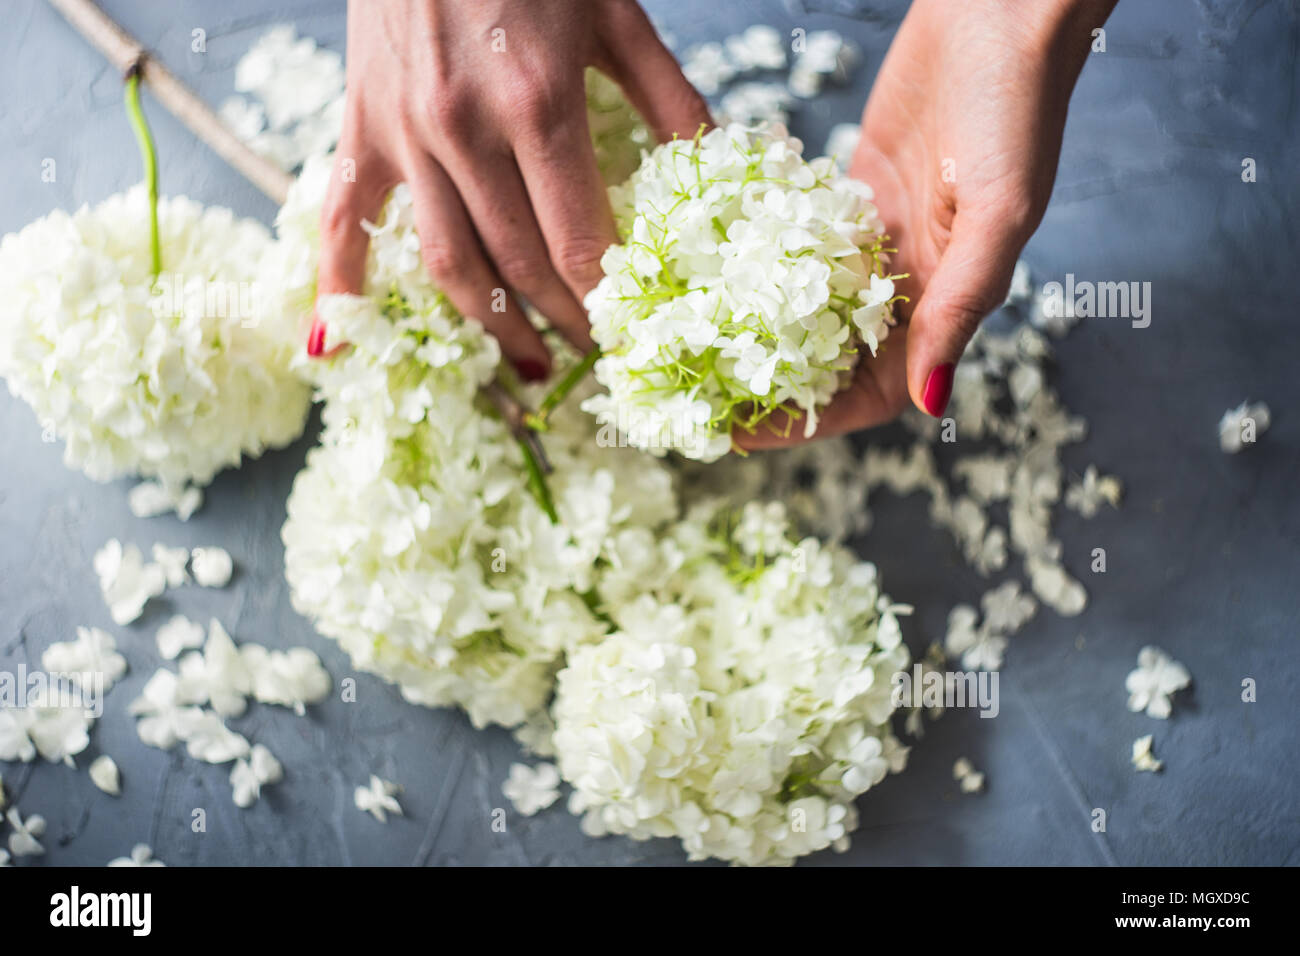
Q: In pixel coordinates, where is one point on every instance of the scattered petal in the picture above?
(104, 774)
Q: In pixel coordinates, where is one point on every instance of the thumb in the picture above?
(970, 281)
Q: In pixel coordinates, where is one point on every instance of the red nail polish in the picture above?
(316, 338)
(531, 370)
(938, 389)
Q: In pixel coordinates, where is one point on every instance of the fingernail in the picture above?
(938, 389)
(316, 337)
(531, 370)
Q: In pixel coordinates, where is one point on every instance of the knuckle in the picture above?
(450, 109)
(579, 258)
(525, 269)
(966, 309)
(444, 259)
(338, 220)
(537, 104)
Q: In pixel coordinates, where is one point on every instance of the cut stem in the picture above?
(148, 153)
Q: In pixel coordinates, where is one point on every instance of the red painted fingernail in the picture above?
(531, 370)
(938, 389)
(316, 337)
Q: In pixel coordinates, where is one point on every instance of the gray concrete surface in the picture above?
(1202, 558)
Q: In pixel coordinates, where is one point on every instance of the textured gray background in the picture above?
(1203, 556)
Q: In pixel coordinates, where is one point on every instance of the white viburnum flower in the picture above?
(59, 733)
(747, 281)
(93, 652)
(212, 567)
(141, 855)
(179, 634)
(126, 581)
(248, 777)
(1156, 678)
(150, 499)
(219, 676)
(292, 678)
(172, 561)
(378, 799)
(207, 738)
(968, 778)
(1089, 493)
(1144, 758)
(532, 789)
(15, 744)
(173, 380)
(24, 835)
(1242, 426)
(979, 647)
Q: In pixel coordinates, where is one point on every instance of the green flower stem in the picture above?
(537, 480)
(135, 114)
(537, 420)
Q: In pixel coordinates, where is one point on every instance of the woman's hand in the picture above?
(960, 140)
(479, 106)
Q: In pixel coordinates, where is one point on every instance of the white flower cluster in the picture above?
(294, 105)
(745, 281)
(127, 582)
(412, 540)
(743, 701)
(411, 536)
(172, 382)
(56, 720)
(191, 703)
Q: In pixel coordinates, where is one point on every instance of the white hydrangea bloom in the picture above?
(212, 567)
(150, 499)
(247, 777)
(708, 67)
(24, 835)
(93, 652)
(378, 799)
(532, 789)
(173, 384)
(758, 47)
(141, 855)
(292, 678)
(179, 634)
(1242, 426)
(1144, 758)
(741, 704)
(1156, 678)
(126, 582)
(411, 537)
(173, 562)
(1090, 492)
(745, 282)
(968, 778)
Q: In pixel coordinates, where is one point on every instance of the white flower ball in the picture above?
(173, 381)
(412, 538)
(747, 281)
(744, 700)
